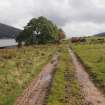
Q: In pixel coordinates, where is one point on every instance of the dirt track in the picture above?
(92, 95)
(36, 91)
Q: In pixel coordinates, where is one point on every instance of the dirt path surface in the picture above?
(36, 91)
(92, 95)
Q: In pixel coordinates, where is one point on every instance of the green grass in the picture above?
(93, 56)
(59, 95)
(18, 67)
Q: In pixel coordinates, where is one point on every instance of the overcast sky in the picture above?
(76, 17)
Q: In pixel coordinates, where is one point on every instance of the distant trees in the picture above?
(40, 31)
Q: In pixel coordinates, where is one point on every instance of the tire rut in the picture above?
(91, 93)
(36, 92)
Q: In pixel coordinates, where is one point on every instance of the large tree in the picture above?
(39, 31)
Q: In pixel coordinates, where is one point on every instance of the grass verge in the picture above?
(65, 88)
(93, 57)
(18, 67)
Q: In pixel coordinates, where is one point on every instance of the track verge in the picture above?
(92, 95)
(36, 92)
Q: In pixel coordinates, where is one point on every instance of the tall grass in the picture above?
(18, 67)
(93, 57)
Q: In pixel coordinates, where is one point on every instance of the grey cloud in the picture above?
(69, 14)
(86, 10)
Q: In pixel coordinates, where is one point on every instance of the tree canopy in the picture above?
(39, 31)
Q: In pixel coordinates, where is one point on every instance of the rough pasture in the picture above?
(18, 67)
(93, 56)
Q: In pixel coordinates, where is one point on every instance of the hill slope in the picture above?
(7, 31)
(100, 34)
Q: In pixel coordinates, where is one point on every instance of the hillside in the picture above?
(7, 31)
(100, 34)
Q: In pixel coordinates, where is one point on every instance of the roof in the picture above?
(7, 42)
